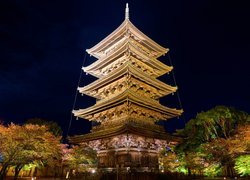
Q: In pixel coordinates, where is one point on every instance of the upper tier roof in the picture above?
(123, 70)
(125, 29)
(124, 51)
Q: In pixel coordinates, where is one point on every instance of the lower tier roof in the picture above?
(124, 129)
(128, 96)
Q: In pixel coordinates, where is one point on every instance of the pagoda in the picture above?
(127, 107)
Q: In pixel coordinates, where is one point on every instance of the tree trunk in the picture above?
(231, 170)
(189, 171)
(35, 172)
(17, 170)
(3, 171)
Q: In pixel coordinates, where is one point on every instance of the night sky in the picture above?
(42, 47)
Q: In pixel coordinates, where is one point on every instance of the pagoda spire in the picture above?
(127, 12)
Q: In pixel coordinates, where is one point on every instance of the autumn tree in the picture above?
(80, 157)
(225, 151)
(213, 137)
(27, 144)
(171, 162)
(51, 125)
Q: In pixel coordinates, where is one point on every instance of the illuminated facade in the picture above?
(127, 92)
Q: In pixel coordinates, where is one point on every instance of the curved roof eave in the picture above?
(116, 33)
(127, 95)
(121, 71)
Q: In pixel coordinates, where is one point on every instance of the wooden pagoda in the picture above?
(127, 94)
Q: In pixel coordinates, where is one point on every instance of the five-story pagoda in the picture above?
(127, 92)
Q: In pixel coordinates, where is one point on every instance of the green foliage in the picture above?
(28, 167)
(213, 170)
(217, 122)
(242, 165)
(215, 137)
(182, 169)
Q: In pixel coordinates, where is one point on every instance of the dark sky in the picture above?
(42, 47)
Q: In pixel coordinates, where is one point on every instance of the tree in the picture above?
(217, 122)
(217, 153)
(212, 170)
(226, 151)
(242, 165)
(27, 144)
(52, 126)
(214, 138)
(169, 160)
(80, 158)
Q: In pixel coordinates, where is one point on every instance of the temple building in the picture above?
(127, 107)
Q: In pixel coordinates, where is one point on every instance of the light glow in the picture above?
(93, 171)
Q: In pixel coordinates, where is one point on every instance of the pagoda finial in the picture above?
(127, 12)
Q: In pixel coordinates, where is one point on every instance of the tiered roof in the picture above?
(127, 50)
(145, 80)
(125, 30)
(127, 68)
(126, 129)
